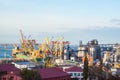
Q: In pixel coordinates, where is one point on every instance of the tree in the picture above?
(100, 69)
(85, 70)
(30, 74)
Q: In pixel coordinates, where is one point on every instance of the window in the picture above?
(4, 78)
(11, 78)
(74, 74)
(71, 74)
(3, 72)
(81, 74)
(78, 74)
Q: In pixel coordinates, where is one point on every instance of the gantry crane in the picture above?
(117, 65)
(46, 52)
(52, 49)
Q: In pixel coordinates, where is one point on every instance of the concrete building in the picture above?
(81, 51)
(95, 52)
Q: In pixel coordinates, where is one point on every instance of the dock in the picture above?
(14, 59)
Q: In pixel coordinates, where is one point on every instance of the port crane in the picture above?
(27, 49)
(52, 50)
(117, 65)
(47, 52)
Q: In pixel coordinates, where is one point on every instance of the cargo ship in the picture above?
(27, 50)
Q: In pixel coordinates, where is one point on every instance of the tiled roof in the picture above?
(52, 73)
(8, 67)
(74, 69)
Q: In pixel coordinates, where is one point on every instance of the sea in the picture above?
(6, 51)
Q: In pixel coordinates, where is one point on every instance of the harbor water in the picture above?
(6, 51)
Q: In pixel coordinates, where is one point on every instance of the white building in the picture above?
(22, 65)
(75, 72)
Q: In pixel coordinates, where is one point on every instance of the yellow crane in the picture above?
(52, 49)
(46, 52)
(61, 47)
(56, 45)
(117, 65)
(27, 50)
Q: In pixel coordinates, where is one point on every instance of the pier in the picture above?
(14, 59)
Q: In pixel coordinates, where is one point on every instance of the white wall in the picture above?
(21, 66)
(78, 75)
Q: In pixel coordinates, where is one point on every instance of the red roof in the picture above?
(52, 73)
(74, 69)
(8, 67)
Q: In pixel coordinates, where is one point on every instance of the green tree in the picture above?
(30, 74)
(85, 70)
(100, 69)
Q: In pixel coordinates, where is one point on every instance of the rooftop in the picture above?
(52, 73)
(8, 67)
(74, 69)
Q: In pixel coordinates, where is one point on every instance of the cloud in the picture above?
(47, 22)
(118, 23)
(39, 22)
(115, 20)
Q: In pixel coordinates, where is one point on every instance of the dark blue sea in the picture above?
(6, 51)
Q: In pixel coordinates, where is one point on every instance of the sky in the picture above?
(74, 19)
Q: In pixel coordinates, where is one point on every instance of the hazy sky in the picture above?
(74, 19)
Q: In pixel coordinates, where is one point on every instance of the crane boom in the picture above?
(22, 36)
